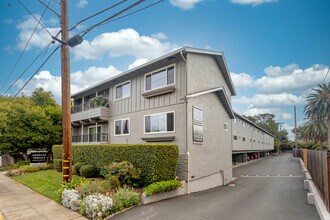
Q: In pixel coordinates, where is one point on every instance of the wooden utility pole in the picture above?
(295, 126)
(66, 99)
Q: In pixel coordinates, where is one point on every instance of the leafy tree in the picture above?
(25, 124)
(315, 131)
(318, 106)
(41, 98)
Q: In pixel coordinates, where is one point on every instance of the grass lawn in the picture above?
(45, 182)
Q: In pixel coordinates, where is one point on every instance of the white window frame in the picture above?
(155, 71)
(159, 132)
(122, 119)
(121, 84)
(94, 126)
(198, 123)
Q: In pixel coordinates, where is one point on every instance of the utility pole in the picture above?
(66, 99)
(295, 126)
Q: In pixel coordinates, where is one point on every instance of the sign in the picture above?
(38, 157)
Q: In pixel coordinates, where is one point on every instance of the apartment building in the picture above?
(250, 141)
(183, 98)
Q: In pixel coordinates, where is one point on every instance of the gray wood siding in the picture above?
(137, 102)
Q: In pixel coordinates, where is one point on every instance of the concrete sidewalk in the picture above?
(19, 202)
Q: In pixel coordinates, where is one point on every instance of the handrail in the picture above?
(90, 105)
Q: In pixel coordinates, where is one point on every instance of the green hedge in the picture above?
(162, 186)
(157, 162)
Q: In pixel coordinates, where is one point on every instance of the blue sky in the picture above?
(276, 50)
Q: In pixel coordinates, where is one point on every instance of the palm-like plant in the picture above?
(315, 131)
(318, 106)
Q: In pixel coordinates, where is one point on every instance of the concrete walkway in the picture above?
(19, 202)
(269, 189)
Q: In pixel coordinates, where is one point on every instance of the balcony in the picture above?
(90, 138)
(97, 109)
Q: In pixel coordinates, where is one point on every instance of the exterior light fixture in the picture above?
(72, 42)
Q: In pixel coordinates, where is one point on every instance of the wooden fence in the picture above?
(318, 165)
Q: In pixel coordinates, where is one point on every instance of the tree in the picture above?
(41, 98)
(315, 131)
(318, 106)
(24, 124)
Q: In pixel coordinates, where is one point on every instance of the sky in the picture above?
(276, 50)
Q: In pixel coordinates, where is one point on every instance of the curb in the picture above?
(313, 197)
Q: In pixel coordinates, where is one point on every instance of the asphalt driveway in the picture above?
(270, 189)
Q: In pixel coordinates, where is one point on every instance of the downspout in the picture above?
(186, 103)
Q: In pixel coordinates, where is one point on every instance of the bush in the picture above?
(114, 182)
(58, 165)
(27, 169)
(22, 163)
(88, 187)
(162, 186)
(77, 167)
(125, 172)
(157, 162)
(88, 171)
(71, 199)
(124, 198)
(96, 206)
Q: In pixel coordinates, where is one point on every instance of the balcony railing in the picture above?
(93, 103)
(90, 138)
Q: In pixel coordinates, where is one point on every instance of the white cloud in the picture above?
(286, 116)
(122, 43)
(242, 80)
(137, 63)
(81, 3)
(269, 100)
(40, 38)
(290, 78)
(79, 80)
(160, 36)
(185, 4)
(251, 2)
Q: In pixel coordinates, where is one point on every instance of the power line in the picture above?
(42, 53)
(34, 17)
(133, 12)
(33, 74)
(326, 74)
(109, 18)
(47, 6)
(27, 43)
(100, 12)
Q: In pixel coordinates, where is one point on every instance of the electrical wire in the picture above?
(109, 18)
(33, 74)
(24, 49)
(34, 17)
(133, 12)
(326, 75)
(47, 6)
(100, 12)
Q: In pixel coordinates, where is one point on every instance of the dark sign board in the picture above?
(38, 157)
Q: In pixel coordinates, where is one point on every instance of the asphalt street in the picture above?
(269, 189)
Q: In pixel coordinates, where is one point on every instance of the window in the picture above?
(226, 126)
(243, 138)
(123, 90)
(197, 125)
(122, 127)
(235, 137)
(94, 133)
(157, 123)
(235, 120)
(160, 78)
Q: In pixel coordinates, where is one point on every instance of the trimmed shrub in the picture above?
(88, 171)
(22, 163)
(125, 172)
(77, 167)
(124, 198)
(114, 182)
(157, 162)
(162, 186)
(58, 165)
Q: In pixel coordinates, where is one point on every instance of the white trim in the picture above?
(129, 127)
(155, 71)
(197, 123)
(121, 84)
(160, 132)
(203, 92)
